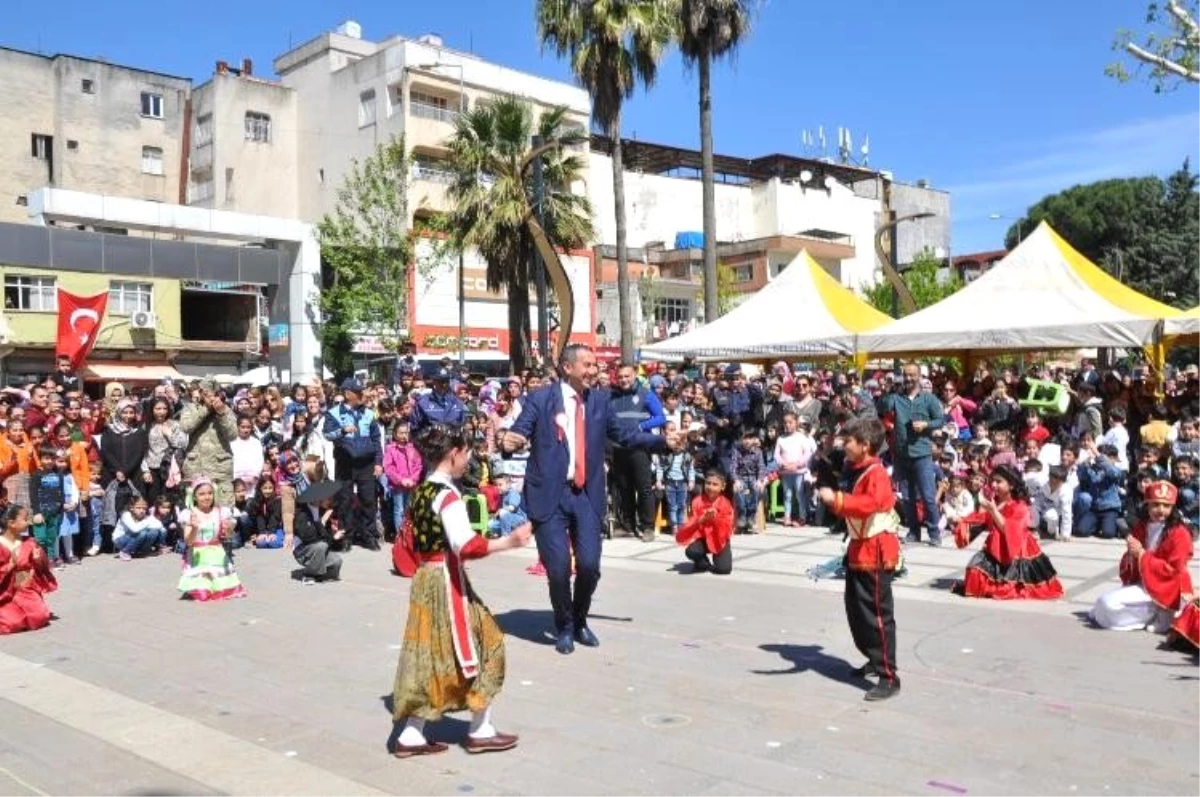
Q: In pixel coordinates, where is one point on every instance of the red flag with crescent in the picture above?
(78, 324)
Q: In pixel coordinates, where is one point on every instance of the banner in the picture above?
(78, 324)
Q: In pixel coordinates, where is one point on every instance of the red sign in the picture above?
(78, 324)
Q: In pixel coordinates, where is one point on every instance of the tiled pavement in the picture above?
(702, 685)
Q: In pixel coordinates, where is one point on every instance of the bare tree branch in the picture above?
(1161, 62)
(1185, 19)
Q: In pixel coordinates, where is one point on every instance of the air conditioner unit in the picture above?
(143, 319)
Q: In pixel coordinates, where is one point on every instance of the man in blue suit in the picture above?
(567, 423)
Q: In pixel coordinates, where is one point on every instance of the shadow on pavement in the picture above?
(531, 625)
(806, 658)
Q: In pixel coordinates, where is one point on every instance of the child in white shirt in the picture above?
(957, 503)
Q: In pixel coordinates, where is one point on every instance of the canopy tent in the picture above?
(1042, 295)
(1186, 324)
(802, 312)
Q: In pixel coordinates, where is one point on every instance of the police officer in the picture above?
(358, 461)
(439, 405)
(637, 409)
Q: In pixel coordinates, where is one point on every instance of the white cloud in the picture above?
(1144, 146)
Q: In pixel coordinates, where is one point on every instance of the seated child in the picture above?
(1053, 505)
(711, 525)
(138, 533)
(509, 516)
(165, 513)
(957, 503)
(749, 472)
(1154, 569)
(265, 515)
(241, 522)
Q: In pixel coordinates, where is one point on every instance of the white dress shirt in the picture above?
(570, 398)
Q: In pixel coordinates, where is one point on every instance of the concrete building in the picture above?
(88, 125)
(242, 144)
(352, 94)
(768, 210)
(175, 306)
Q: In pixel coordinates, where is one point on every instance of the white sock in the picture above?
(481, 724)
(413, 734)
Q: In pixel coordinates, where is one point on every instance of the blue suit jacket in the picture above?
(546, 475)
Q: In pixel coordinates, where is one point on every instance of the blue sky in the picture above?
(1001, 102)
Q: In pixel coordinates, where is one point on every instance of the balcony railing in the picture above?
(432, 174)
(428, 111)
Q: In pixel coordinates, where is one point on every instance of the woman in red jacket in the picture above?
(711, 526)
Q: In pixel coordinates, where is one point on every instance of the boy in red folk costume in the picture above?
(873, 554)
(1154, 571)
(710, 528)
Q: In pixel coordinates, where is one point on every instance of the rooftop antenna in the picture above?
(866, 150)
(821, 137)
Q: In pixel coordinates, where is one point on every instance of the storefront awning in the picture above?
(129, 372)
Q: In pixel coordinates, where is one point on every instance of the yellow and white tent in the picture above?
(1043, 295)
(803, 312)
(1186, 324)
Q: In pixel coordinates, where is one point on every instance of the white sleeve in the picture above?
(454, 520)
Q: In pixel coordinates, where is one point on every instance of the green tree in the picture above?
(708, 30)
(1170, 46)
(366, 254)
(1145, 231)
(613, 45)
(923, 281)
(495, 205)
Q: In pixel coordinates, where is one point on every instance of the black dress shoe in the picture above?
(585, 637)
(564, 644)
(864, 671)
(883, 690)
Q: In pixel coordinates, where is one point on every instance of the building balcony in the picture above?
(432, 173)
(200, 191)
(427, 111)
(201, 157)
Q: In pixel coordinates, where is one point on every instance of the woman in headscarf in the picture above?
(122, 450)
(114, 394)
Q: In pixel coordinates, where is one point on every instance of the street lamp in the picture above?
(462, 292)
(1020, 221)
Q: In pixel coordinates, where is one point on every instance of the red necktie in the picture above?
(580, 445)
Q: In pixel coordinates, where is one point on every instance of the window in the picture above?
(366, 108)
(87, 86)
(743, 273)
(152, 160)
(258, 127)
(431, 100)
(395, 97)
(127, 298)
(72, 144)
(30, 293)
(203, 132)
(229, 194)
(40, 146)
(672, 311)
(152, 105)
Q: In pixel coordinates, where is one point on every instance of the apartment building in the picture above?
(769, 209)
(88, 125)
(242, 144)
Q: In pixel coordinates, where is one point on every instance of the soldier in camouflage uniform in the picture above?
(210, 426)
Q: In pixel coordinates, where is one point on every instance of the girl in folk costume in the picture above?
(873, 553)
(1154, 569)
(208, 572)
(708, 532)
(1011, 565)
(453, 653)
(25, 575)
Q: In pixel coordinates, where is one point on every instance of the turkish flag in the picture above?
(78, 324)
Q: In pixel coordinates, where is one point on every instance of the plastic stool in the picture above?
(1050, 398)
(479, 517)
(776, 508)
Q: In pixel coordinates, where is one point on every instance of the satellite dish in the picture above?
(806, 176)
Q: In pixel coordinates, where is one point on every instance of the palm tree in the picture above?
(709, 29)
(495, 207)
(613, 45)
